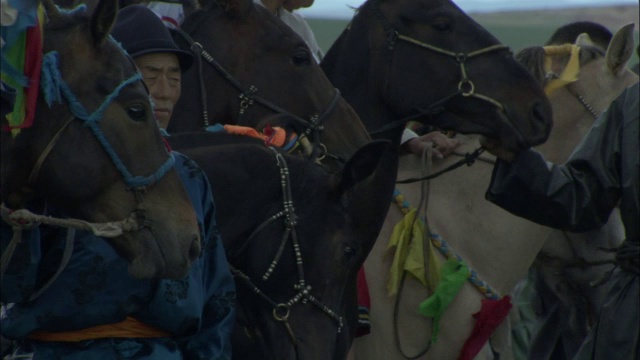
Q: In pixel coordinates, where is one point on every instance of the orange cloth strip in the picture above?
(128, 328)
(277, 139)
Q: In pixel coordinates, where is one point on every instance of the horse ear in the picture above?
(361, 165)
(584, 40)
(620, 49)
(102, 20)
(235, 8)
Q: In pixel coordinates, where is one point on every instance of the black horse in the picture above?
(295, 235)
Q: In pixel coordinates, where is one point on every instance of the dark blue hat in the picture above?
(140, 31)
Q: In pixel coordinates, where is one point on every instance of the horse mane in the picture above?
(567, 34)
(533, 57)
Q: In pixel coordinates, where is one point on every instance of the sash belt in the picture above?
(128, 328)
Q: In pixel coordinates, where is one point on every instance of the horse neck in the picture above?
(489, 239)
(352, 75)
(20, 153)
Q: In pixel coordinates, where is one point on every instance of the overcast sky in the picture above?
(340, 8)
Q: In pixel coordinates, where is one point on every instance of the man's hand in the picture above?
(493, 146)
(441, 144)
(296, 4)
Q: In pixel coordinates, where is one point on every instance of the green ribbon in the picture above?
(453, 275)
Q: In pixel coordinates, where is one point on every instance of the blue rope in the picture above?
(54, 88)
(442, 246)
(77, 9)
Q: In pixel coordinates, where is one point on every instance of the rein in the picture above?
(249, 96)
(466, 87)
(436, 240)
(281, 310)
(467, 159)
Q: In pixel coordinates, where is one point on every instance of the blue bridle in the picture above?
(54, 88)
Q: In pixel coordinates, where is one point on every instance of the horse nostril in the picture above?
(194, 249)
(541, 121)
(538, 113)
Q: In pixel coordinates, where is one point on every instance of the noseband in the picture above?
(281, 310)
(465, 88)
(249, 96)
(55, 89)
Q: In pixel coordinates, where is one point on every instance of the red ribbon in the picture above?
(492, 313)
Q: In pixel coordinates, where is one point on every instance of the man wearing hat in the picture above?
(148, 41)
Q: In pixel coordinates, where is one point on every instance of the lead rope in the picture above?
(24, 219)
(425, 189)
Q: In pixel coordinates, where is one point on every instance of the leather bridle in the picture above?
(465, 88)
(311, 128)
(281, 310)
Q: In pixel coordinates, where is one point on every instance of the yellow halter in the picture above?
(570, 72)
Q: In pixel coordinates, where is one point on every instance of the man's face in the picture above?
(161, 73)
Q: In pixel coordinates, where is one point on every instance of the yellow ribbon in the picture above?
(569, 73)
(407, 241)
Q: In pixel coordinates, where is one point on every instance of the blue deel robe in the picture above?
(95, 288)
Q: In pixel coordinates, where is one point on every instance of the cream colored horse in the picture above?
(497, 245)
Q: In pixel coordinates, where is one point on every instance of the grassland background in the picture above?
(517, 29)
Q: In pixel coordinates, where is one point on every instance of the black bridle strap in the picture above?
(303, 290)
(250, 93)
(35, 171)
(466, 87)
(468, 159)
(433, 109)
(203, 88)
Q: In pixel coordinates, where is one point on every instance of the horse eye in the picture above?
(137, 113)
(441, 24)
(302, 57)
(349, 251)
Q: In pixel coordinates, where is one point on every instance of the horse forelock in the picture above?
(589, 54)
(533, 59)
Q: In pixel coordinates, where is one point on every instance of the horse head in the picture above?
(295, 241)
(581, 80)
(427, 60)
(252, 66)
(94, 151)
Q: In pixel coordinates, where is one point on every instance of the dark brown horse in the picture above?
(256, 70)
(295, 235)
(94, 150)
(518, 114)
(427, 60)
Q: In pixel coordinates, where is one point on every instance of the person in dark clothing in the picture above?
(567, 34)
(602, 173)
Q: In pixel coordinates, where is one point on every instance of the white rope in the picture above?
(24, 219)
